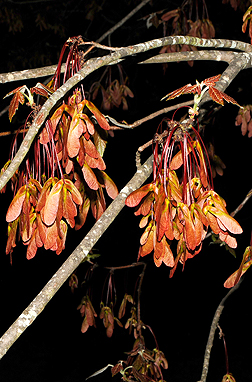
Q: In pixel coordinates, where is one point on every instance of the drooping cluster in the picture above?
(180, 202)
(64, 175)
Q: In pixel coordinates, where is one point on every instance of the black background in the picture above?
(179, 310)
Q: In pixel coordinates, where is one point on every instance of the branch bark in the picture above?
(212, 332)
(73, 261)
(96, 63)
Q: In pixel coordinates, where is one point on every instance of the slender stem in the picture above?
(212, 332)
(241, 205)
(139, 294)
(121, 22)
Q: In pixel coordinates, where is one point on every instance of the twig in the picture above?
(120, 23)
(159, 112)
(29, 73)
(73, 261)
(242, 204)
(2, 112)
(19, 131)
(139, 289)
(212, 332)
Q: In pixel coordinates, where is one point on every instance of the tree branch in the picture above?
(212, 332)
(29, 73)
(96, 63)
(242, 204)
(73, 261)
(206, 55)
(120, 23)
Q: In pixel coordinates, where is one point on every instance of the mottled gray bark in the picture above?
(212, 333)
(95, 63)
(73, 261)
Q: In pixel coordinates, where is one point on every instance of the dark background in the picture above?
(179, 310)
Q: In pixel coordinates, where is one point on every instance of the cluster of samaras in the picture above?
(63, 178)
(180, 209)
(41, 210)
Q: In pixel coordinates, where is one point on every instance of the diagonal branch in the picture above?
(29, 73)
(126, 18)
(206, 55)
(96, 63)
(73, 261)
(212, 332)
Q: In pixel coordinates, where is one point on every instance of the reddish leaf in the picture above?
(145, 205)
(56, 117)
(32, 247)
(164, 223)
(45, 192)
(61, 241)
(51, 236)
(39, 241)
(90, 148)
(27, 232)
(245, 265)
(100, 141)
(52, 204)
(77, 198)
(110, 186)
(42, 90)
(219, 97)
(176, 161)
(213, 223)
(82, 214)
(149, 244)
(16, 205)
(12, 231)
(230, 223)
(136, 196)
(144, 221)
(73, 141)
(69, 208)
(183, 90)
(211, 81)
(89, 124)
(18, 98)
(198, 225)
(97, 208)
(85, 325)
(98, 115)
(94, 162)
(229, 240)
(90, 177)
(163, 253)
(189, 230)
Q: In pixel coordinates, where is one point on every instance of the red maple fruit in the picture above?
(180, 202)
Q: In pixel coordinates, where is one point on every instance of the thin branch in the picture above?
(242, 204)
(139, 289)
(6, 133)
(73, 261)
(158, 113)
(214, 43)
(29, 73)
(126, 18)
(206, 55)
(212, 332)
(95, 63)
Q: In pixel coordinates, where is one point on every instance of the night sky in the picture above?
(179, 310)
